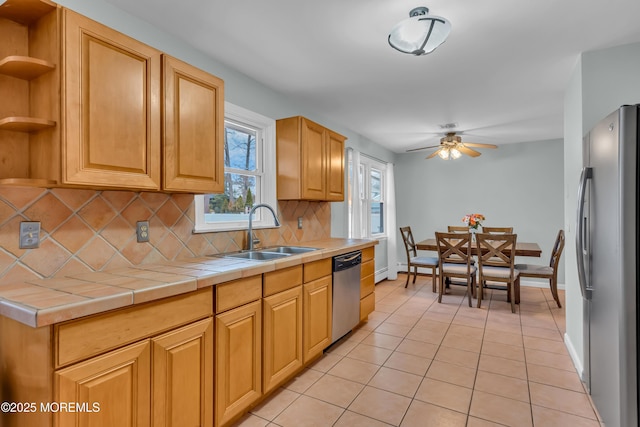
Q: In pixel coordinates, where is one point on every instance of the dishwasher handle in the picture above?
(346, 261)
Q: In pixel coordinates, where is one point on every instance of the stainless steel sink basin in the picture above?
(267, 254)
(288, 249)
(256, 255)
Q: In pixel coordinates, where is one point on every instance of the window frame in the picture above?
(266, 129)
(363, 168)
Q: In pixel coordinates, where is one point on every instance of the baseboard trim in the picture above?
(577, 363)
(381, 274)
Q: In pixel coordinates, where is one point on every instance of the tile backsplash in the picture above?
(87, 230)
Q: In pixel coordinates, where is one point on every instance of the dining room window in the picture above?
(249, 173)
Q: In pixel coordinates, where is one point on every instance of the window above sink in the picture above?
(249, 169)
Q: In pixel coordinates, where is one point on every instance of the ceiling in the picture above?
(500, 76)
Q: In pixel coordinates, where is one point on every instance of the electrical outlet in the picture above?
(142, 231)
(29, 234)
(300, 222)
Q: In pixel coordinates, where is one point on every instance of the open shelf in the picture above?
(24, 67)
(25, 11)
(25, 124)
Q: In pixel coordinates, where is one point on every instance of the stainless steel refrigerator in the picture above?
(607, 255)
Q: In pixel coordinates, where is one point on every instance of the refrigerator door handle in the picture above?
(582, 244)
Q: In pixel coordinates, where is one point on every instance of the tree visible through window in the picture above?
(241, 176)
(249, 173)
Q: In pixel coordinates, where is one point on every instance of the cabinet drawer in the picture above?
(368, 253)
(317, 269)
(367, 305)
(80, 339)
(367, 285)
(366, 268)
(238, 292)
(281, 280)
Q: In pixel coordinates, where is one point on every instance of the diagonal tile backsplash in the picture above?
(85, 230)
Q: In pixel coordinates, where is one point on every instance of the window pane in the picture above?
(376, 185)
(235, 203)
(239, 147)
(377, 217)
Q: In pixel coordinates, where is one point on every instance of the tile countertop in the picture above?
(42, 302)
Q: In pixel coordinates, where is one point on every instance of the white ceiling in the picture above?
(500, 76)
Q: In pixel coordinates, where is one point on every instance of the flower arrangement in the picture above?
(473, 220)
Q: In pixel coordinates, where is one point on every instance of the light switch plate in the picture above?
(29, 234)
(142, 231)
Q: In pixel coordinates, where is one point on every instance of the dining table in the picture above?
(527, 249)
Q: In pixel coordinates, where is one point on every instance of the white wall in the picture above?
(519, 185)
(602, 81)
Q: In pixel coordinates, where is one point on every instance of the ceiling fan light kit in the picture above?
(420, 34)
(451, 147)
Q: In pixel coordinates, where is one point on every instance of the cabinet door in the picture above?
(111, 108)
(193, 129)
(119, 382)
(238, 363)
(335, 165)
(183, 376)
(317, 309)
(282, 326)
(314, 170)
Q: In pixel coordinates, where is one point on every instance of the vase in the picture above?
(473, 232)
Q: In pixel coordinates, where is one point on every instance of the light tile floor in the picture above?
(419, 363)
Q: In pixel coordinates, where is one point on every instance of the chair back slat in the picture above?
(409, 243)
(497, 250)
(498, 230)
(458, 229)
(454, 247)
(556, 253)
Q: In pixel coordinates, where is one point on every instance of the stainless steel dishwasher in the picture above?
(346, 293)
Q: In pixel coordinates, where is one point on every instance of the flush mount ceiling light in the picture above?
(420, 34)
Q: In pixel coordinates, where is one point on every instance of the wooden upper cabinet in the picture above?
(85, 106)
(310, 160)
(111, 108)
(335, 166)
(193, 129)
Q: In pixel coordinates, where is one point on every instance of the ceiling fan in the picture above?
(452, 147)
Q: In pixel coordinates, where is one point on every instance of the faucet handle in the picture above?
(256, 241)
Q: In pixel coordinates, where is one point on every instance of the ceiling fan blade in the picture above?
(432, 155)
(475, 144)
(468, 151)
(423, 148)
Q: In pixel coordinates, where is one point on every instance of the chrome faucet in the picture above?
(253, 209)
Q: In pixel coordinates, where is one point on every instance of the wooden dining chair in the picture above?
(496, 266)
(498, 230)
(547, 272)
(414, 261)
(457, 229)
(454, 261)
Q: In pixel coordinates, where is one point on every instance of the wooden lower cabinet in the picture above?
(119, 382)
(163, 381)
(183, 376)
(367, 283)
(238, 362)
(317, 317)
(282, 326)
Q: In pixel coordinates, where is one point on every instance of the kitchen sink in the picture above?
(267, 254)
(256, 255)
(288, 249)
